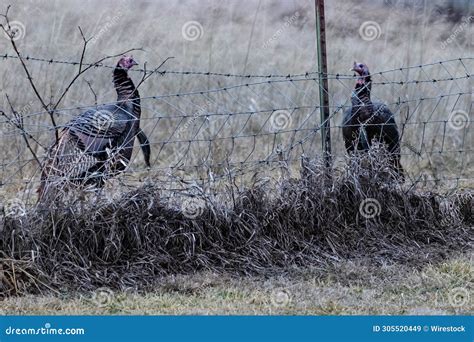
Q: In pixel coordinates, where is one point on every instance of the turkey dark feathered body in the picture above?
(98, 144)
(358, 133)
(365, 122)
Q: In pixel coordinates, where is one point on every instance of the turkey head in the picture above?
(362, 70)
(126, 62)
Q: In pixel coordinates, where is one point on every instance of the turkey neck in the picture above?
(126, 89)
(362, 108)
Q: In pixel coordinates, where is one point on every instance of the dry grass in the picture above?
(350, 287)
(360, 211)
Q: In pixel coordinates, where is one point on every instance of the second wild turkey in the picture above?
(98, 143)
(366, 121)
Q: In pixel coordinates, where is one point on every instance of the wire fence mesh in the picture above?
(206, 128)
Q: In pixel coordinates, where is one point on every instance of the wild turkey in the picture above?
(365, 121)
(98, 144)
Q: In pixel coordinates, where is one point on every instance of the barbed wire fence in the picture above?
(265, 124)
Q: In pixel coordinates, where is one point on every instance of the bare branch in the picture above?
(81, 70)
(146, 76)
(92, 91)
(407, 116)
(90, 66)
(6, 15)
(18, 123)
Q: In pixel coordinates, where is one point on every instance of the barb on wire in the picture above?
(147, 75)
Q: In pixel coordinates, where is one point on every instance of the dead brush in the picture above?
(319, 218)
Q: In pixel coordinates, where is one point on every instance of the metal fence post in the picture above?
(323, 81)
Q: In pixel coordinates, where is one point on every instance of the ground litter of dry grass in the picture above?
(350, 287)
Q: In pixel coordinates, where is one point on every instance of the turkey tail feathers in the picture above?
(145, 146)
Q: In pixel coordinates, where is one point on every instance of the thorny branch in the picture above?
(92, 91)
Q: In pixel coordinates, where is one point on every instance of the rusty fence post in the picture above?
(323, 81)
